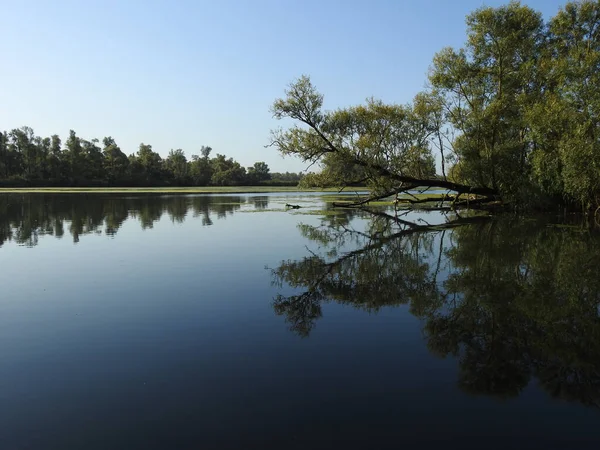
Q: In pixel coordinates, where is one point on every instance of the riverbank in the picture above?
(165, 190)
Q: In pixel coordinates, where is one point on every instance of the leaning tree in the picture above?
(385, 147)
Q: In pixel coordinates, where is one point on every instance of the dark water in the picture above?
(227, 322)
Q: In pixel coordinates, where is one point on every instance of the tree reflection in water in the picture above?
(23, 218)
(513, 300)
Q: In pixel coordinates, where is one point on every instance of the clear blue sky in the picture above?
(181, 74)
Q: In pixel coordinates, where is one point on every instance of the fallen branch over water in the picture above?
(439, 202)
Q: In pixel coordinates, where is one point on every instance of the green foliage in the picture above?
(524, 98)
(284, 179)
(566, 121)
(176, 164)
(356, 144)
(30, 160)
(201, 169)
(516, 113)
(258, 173)
(93, 166)
(116, 163)
(317, 180)
(486, 88)
(74, 157)
(227, 172)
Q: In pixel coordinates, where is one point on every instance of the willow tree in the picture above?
(566, 120)
(523, 97)
(487, 88)
(520, 99)
(387, 147)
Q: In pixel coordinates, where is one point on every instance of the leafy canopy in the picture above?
(377, 144)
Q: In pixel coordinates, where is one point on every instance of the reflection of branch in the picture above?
(424, 228)
(487, 310)
(439, 261)
(305, 314)
(310, 251)
(414, 228)
(389, 217)
(348, 230)
(320, 279)
(302, 310)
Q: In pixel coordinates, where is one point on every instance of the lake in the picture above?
(230, 321)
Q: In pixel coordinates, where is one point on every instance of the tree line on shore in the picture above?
(30, 160)
(514, 116)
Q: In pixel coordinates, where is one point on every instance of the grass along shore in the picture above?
(164, 190)
(332, 194)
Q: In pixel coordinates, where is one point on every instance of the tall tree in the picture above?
(258, 173)
(93, 161)
(74, 157)
(487, 88)
(177, 166)
(5, 169)
(200, 168)
(385, 146)
(23, 143)
(55, 162)
(116, 163)
(150, 163)
(566, 121)
(227, 172)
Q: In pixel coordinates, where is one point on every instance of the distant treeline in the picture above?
(30, 160)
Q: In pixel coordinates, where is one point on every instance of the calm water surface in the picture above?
(229, 322)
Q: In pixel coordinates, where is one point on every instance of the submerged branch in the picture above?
(479, 202)
(364, 201)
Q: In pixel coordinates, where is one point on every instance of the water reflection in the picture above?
(512, 300)
(260, 202)
(24, 218)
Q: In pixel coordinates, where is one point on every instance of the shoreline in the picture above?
(166, 190)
